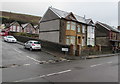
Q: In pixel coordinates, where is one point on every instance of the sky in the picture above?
(105, 11)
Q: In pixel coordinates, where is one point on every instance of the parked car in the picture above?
(10, 39)
(33, 45)
(3, 33)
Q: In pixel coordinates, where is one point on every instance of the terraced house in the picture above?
(66, 28)
(107, 36)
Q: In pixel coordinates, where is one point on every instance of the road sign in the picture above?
(65, 49)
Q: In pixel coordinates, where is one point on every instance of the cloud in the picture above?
(98, 11)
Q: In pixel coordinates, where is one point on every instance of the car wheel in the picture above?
(24, 47)
(31, 49)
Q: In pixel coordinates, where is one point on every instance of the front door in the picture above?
(79, 40)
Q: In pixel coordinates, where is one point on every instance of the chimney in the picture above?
(84, 16)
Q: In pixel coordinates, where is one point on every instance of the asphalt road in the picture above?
(24, 66)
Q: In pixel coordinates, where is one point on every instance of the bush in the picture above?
(26, 34)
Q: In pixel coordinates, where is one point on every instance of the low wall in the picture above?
(51, 46)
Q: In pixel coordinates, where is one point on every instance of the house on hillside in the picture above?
(28, 28)
(36, 27)
(66, 28)
(107, 36)
(14, 27)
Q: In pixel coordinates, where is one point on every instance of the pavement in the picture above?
(67, 57)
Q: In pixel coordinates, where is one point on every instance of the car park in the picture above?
(33, 45)
(10, 38)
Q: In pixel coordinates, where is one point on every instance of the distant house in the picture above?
(14, 27)
(107, 35)
(36, 27)
(2, 26)
(66, 28)
(28, 28)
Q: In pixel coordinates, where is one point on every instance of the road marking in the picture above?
(26, 64)
(33, 59)
(109, 62)
(63, 71)
(100, 64)
(17, 50)
(57, 73)
(95, 65)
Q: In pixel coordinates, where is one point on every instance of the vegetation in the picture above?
(8, 17)
(24, 34)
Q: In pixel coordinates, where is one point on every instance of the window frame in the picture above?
(71, 23)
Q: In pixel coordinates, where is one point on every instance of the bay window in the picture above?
(71, 25)
(70, 40)
(83, 29)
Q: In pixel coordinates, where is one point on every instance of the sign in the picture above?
(65, 49)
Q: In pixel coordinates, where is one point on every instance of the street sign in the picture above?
(65, 49)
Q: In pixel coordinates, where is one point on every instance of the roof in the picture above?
(64, 14)
(35, 26)
(24, 25)
(108, 27)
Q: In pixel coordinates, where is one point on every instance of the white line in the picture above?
(51, 74)
(26, 64)
(57, 73)
(109, 62)
(95, 65)
(33, 59)
(64, 71)
(17, 50)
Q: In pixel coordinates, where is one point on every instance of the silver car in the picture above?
(33, 45)
(10, 39)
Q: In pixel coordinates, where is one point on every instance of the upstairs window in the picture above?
(78, 29)
(83, 29)
(71, 25)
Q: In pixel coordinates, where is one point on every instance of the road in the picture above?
(21, 65)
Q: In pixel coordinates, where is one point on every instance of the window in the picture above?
(92, 31)
(68, 26)
(70, 40)
(14, 28)
(78, 29)
(83, 29)
(71, 25)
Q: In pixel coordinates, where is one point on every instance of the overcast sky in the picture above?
(105, 11)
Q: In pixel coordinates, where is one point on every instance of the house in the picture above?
(2, 26)
(28, 28)
(66, 28)
(14, 27)
(106, 35)
(36, 27)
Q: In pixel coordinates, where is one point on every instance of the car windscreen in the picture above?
(10, 37)
(37, 42)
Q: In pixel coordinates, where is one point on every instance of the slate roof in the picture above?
(63, 14)
(24, 25)
(108, 27)
(36, 26)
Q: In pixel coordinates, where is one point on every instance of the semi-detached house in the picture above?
(66, 28)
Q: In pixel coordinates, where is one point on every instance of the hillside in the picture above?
(21, 18)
